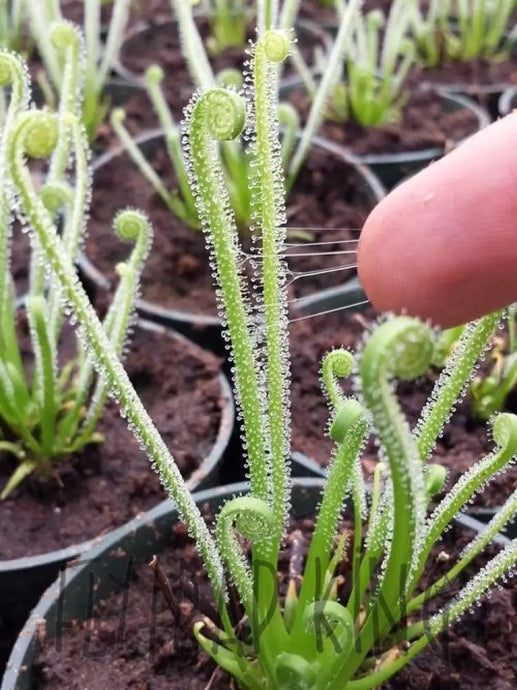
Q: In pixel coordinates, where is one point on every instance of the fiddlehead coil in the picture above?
(154, 74)
(130, 224)
(403, 347)
(337, 364)
(327, 618)
(133, 226)
(64, 34)
(254, 520)
(55, 195)
(251, 517)
(40, 133)
(276, 44)
(504, 432)
(293, 672)
(12, 69)
(224, 113)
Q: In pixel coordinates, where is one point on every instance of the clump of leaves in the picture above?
(99, 54)
(379, 56)
(461, 30)
(228, 22)
(50, 410)
(311, 639)
(236, 160)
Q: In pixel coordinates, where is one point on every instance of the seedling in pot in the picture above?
(461, 30)
(380, 53)
(49, 411)
(228, 22)
(236, 161)
(364, 78)
(99, 54)
(269, 13)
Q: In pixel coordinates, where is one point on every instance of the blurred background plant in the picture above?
(49, 408)
(378, 56)
(460, 30)
(228, 20)
(495, 381)
(99, 54)
(12, 19)
(236, 160)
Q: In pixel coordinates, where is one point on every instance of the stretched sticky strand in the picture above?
(349, 248)
(328, 311)
(320, 271)
(320, 244)
(336, 252)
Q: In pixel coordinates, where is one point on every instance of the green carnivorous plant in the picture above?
(461, 30)
(379, 55)
(49, 408)
(315, 637)
(99, 55)
(491, 387)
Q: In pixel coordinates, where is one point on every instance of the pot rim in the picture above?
(194, 481)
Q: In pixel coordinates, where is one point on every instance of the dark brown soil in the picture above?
(465, 440)
(177, 273)
(108, 484)
(427, 122)
(151, 653)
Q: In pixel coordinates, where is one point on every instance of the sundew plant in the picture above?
(312, 638)
(100, 54)
(489, 391)
(49, 408)
(228, 22)
(461, 30)
(366, 73)
(230, 19)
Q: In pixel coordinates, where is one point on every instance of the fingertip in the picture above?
(442, 245)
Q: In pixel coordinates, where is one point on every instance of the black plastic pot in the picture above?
(95, 576)
(392, 168)
(205, 329)
(305, 30)
(22, 580)
(507, 101)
